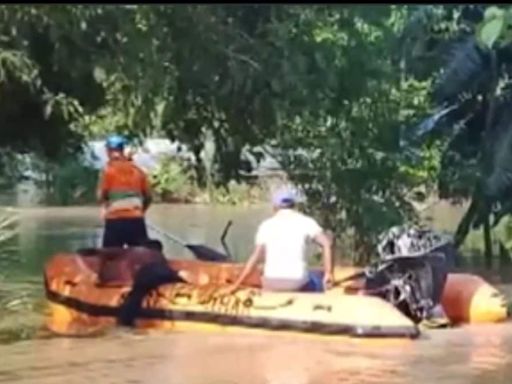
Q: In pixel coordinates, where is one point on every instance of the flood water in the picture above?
(470, 354)
(477, 355)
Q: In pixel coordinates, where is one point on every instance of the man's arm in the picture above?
(325, 242)
(257, 256)
(321, 238)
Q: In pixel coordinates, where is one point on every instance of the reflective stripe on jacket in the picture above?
(125, 186)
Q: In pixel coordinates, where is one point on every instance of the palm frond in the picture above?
(500, 210)
(472, 13)
(460, 167)
(499, 180)
(433, 121)
(495, 182)
(466, 136)
(8, 230)
(456, 176)
(466, 71)
(418, 23)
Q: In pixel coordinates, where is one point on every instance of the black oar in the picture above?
(223, 239)
(354, 276)
(202, 252)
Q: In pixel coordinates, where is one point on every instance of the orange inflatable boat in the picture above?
(466, 298)
(78, 303)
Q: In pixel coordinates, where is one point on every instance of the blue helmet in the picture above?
(115, 142)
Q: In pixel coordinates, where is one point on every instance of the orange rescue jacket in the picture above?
(124, 187)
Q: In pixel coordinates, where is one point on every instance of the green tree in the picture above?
(349, 107)
(59, 68)
(475, 84)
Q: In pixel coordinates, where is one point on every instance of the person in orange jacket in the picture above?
(125, 196)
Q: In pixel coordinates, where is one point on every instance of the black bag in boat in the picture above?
(412, 269)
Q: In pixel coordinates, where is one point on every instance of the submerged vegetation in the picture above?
(74, 183)
(368, 109)
(20, 303)
(174, 181)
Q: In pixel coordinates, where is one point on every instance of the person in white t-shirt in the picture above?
(281, 242)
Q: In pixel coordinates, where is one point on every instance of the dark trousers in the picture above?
(131, 232)
(315, 282)
(147, 278)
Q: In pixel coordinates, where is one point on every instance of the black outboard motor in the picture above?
(412, 269)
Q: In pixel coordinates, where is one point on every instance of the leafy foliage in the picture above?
(69, 182)
(332, 88)
(475, 82)
(172, 180)
(354, 170)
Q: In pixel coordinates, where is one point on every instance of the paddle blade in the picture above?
(205, 253)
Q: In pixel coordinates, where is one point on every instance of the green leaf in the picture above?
(499, 178)
(507, 38)
(491, 31)
(276, 85)
(48, 109)
(508, 16)
(99, 74)
(492, 13)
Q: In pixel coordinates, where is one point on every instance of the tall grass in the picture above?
(20, 301)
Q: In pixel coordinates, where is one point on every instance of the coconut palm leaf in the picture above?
(477, 162)
(466, 72)
(451, 120)
(432, 122)
(425, 37)
(472, 13)
(493, 179)
(500, 210)
(499, 180)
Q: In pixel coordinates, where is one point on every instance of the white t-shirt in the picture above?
(285, 237)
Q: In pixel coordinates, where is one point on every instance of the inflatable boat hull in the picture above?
(77, 304)
(466, 298)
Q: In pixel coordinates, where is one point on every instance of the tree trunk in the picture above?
(487, 243)
(503, 256)
(228, 156)
(479, 200)
(487, 157)
(491, 98)
(363, 250)
(199, 168)
(465, 223)
(363, 247)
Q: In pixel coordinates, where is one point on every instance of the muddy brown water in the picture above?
(469, 354)
(466, 355)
